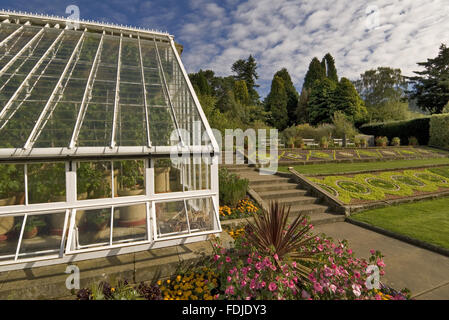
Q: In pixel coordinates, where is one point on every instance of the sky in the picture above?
(361, 35)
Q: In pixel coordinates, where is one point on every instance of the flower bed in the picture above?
(361, 188)
(244, 209)
(272, 260)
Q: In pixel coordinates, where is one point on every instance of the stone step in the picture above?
(274, 187)
(322, 218)
(264, 180)
(304, 200)
(309, 209)
(278, 194)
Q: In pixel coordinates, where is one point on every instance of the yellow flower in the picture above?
(168, 281)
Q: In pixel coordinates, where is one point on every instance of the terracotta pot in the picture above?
(162, 180)
(30, 234)
(134, 215)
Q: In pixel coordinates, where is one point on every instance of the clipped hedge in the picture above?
(418, 128)
(439, 131)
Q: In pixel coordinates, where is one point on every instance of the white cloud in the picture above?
(289, 33)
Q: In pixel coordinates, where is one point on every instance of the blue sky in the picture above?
(281, 33)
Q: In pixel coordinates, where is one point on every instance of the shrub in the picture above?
(439, 131)
(232, 188)
(402, 129)
(343, 127)
(396, 141)
(381, 141)
(324, 142)
(412, 141)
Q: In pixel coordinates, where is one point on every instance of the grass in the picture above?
(427, 220)
(337, 168)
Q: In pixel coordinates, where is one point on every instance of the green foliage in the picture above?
(390, 111)
(343, 126)
(324, 143)
(439, 131)
(276, 104)
(314, 73)
(412, 141)
(246, 70)
(302, 113)
(431, 86)
(346, 99)
(232, 188)
(241, 92)
(381, 141)
(402, 129)
(320, 106)
(328, 64)
(131, 175)
(11, 180)
(396, 141)
(292, 95)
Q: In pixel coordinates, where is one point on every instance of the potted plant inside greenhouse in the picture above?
(32, 226)
(162, 175)
(98, 220)
(10, 190)
(131, 183)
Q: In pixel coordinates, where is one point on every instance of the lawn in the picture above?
(336, 168)
(427, 221)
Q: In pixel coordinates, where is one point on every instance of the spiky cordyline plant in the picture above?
(270, 232)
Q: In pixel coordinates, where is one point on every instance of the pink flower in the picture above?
(258, 265)
(249, 260)
(305, 295)
(320, 247)
(372, 251)
(357, 274)
(276, 257)
(380, 263)
(333, 288)
(272, 286)
(229, 290)
(228, 259)
(317, 287)
(229, 279)
(216, 257)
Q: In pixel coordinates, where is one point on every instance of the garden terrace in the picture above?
(102, 143)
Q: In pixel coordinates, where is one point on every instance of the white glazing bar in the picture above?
(111, 230)
(167, 91)
(25, 47)
(35, 133)
(22, 230)
(87, 92)
(117, 94)
(66, 221)
(195, 98)
(5, 41)
(145, 102)
(30, 74)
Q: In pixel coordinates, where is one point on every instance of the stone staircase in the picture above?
(288, 192)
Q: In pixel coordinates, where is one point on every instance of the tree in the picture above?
(328, 64)
(320, 104)
(241, 92)
(431, 86)
(343, 126)
(276, 104)
(346, 99)
(381, 85)
(315, 72)
(302, 113)
(200, 82)
(246, 70)
(292, 95)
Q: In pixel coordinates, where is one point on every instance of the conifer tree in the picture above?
(276, 104)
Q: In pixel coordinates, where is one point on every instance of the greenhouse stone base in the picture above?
(49, 282)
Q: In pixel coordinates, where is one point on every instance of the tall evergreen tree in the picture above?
(320, 106)
(246, 70)
(292, 95)
(302, 113)
(346, 99)
(276, 104)
(315, 72)
(241, 92)
(431, 86)
(328, 64)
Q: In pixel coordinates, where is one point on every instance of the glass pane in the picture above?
(201, 214)
(167, 176)
(130, 177)
(130, 224)
(93, 227)
(9, 236)
(12, 184)
(42, 235)
(94, 180)
(46, 182)
(171, 218)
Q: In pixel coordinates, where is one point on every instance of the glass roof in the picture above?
(69, 90)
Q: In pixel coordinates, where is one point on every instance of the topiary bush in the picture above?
(402, 129)
(232, 188)
(439, 131)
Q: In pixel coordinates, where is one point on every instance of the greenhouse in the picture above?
(104, 147)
